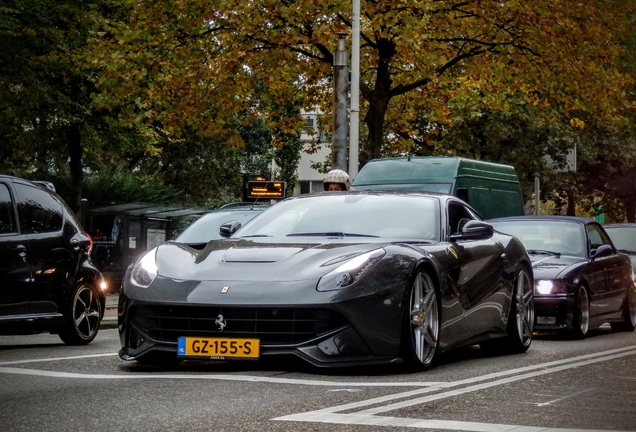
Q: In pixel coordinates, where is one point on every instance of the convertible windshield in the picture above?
(545, 237)
(623, 238)
(358, 215)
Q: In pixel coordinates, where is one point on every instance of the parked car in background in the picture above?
(207, 227)
(581, 280)
(336, 279)
(623, 235)
(47, 280)
(492, 189)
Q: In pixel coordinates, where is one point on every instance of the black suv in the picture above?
(47, 280)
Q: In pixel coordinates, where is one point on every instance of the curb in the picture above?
(109, 320)
(108, 323)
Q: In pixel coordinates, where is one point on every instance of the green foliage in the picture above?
(119, 185)
(189, 95)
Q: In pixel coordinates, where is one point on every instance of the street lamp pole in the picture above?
(354, 115)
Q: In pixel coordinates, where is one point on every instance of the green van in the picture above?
(490, 188)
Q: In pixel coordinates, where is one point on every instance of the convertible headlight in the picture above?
(145, 270)
(545, 287)
(351, 271)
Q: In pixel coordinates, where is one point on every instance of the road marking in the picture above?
(553, 401)
(424, 386)
(369, 416)
(52, 359)
(218, 377)
(373, 420)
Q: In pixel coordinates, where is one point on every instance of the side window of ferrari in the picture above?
(458, 215)
(7, 219)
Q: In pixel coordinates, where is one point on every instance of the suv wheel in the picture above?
(85, 313)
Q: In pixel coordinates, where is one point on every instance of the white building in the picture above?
(309, 179)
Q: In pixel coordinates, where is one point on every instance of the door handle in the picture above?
(22, 251)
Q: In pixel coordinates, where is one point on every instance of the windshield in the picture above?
(355, 215)
(545, 236)
(624, 239)
(207, 227)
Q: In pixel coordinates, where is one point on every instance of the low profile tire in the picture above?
(421, 333)
(521, 320)
(581, 318)
(85, 313)
(629, 313)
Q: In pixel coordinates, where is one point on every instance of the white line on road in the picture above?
(53, 359)
(370, 417)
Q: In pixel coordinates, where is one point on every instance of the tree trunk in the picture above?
(571, 211)
(374, 120)
(630, 209)
(75, 151)
(378, 98)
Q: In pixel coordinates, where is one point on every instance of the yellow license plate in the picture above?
(218, 348)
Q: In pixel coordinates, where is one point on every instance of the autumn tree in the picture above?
(46, 87)
(190, 61)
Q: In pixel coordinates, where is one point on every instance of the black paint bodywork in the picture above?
(39, 271)
(272, 292)
(606, 276)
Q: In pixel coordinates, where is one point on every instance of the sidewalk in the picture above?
(110, 314)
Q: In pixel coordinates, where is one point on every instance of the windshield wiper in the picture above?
(255, 235)
(627, 251)
(543, 252)
(329, 234)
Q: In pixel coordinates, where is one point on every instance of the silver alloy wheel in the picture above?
(583, 306)
(424, 318)
(524, 308)
(631, 301)
(86, 312)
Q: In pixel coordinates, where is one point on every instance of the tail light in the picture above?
(90, 244)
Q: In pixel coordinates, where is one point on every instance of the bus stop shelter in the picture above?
(122, 232)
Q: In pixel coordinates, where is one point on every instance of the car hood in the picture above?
(256, 260)
(551, 266)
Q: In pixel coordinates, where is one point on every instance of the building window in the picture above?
(311, 186)
(309, 123)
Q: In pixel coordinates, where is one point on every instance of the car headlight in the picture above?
(351, 271)
(145, 270)
(545, 287)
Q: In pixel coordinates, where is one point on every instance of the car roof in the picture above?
(378, 193)
(620, 225)
(554, 218)
(45, 185)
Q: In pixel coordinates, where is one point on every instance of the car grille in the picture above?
(273, 326)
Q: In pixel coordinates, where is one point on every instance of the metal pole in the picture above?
(340, 93)
(537, 195)
(354, 116)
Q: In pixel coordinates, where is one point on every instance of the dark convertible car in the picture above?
(582, 281)
(337, 279)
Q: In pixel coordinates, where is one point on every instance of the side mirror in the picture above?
(229, 228)
(602, 251)
(474, 230)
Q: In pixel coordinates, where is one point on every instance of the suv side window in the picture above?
(7, 219)
(39, 211)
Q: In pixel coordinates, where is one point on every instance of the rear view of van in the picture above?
(491, 189)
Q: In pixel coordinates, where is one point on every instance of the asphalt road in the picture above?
(557, 385)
